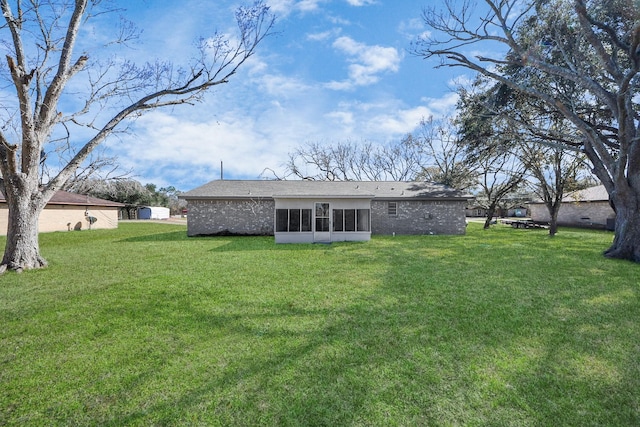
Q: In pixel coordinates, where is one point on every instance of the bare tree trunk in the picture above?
(626, 241)
(554, 208)
(22, 250)
(490, 213)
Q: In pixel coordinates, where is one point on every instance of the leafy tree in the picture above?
(157, 197)
(555, 172)
(496, 115)
(500, 174)
(127, 191)
(50, 77)
(591, 44)
(175, 204)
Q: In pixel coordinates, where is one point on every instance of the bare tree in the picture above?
(397, 161)
(555, 172)
(41, 37)
(592, 44)
(444, 155)
(500, 174)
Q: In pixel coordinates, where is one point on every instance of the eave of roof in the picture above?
(65, 198)
(380, 190)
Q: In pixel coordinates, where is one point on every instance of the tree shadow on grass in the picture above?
(516, 350)
(433, 339)
(235, 243)
(267, 243)
(285, 376)
(172, 236)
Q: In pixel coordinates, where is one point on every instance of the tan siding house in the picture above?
(69, 211)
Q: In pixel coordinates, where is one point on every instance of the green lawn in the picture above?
(144, 326)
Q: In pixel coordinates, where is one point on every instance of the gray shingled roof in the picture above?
(591, 194)
(66, 198)
(231, 189)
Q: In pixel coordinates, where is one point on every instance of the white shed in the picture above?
(153, 212)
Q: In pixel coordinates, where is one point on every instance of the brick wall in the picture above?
(419, 217)
(582, 214)
(210, 217)
(255, 217)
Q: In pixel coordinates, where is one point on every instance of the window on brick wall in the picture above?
(392, 208)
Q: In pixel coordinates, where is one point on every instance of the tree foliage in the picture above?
(132, 194)
(492, 114)
(127, 191)
(585, 47)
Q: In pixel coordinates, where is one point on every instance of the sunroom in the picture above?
(322, 219)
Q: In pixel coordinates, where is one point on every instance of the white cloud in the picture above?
(181, 147)
(324, 35)
(444, 105)
(387, 119)
(414, 24)
(399, 122)
(368, 62)
(285, 7)
(167, 144)
(344, 117)
(281, 86)
(361, 2)
(414, 29)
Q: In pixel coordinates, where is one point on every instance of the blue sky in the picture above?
(336, 71)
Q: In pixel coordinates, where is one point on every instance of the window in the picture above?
(392, 208)
(363, 220)
(338, 220)
(293, 220)
(351, 220)
(282, 219)
(306, 219)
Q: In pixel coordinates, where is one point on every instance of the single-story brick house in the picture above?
(585, 208)
(324, 211)
(68, 211)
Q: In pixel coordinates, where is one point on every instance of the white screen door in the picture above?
(322, 223)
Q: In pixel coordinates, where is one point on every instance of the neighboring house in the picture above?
(324, 211)
(69, 211)
(585, 208)
(475, 211)
(153, 212)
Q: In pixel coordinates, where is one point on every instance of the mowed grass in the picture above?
(144, 326)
